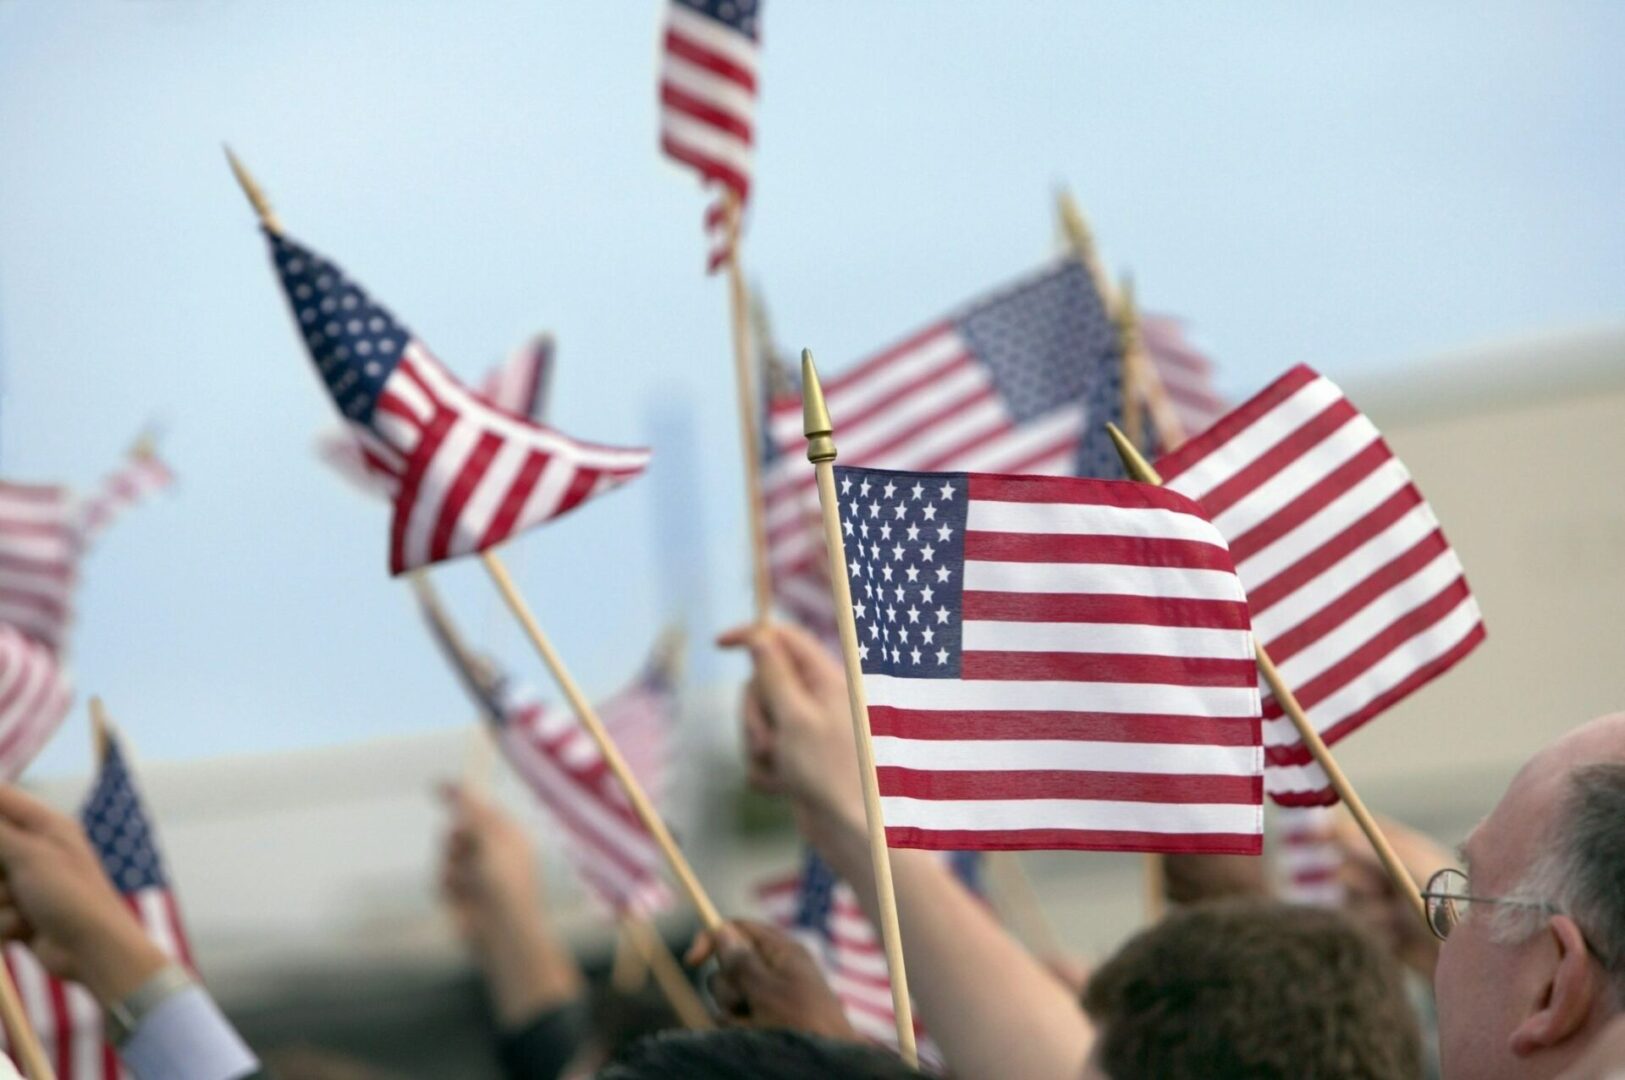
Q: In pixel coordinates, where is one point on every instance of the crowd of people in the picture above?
(1519, 972)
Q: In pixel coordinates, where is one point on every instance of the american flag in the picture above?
(708, 101)
(1310, 860)
(36, 692)
(1022, 380)
(142, 474)
(1185, 371)
(40, 541)
(642, 718)
(823, 914)
(522, 383)
(520, 386)
(1356, 595)
(464, 476)
(67, 1018)
(1052, 663)
(609, 847)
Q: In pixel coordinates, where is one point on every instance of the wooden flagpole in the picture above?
(1081, 239)
(641, 805)
(635, 794)
(674, 986)
(821, 452)
(627, 971)
(1142, 470)
(749, 403)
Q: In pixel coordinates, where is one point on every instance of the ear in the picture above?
(1566, 997)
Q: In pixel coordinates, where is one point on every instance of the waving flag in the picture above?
(40, 543)
(464, 475)
(708, 100)
(141, 474)
(1019, 381)
(67, 1018)
(1356, 594)
(1309, 857)
(1185, 371)
(617, 859)
(822, 913)
(520, 386)
(1052, 663)
(36, 693)
(522, 383)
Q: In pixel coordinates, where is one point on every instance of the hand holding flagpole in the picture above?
(1143, 471)
(821, 452)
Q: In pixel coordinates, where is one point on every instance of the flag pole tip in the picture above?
(1133, 461)
(816, 424)
(252, 189)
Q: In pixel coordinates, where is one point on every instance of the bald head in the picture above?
(1533, 972)
(1504, 845)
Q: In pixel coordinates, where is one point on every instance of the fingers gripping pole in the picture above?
(635, 794)
(821, 452)
(1143, 471)
(674, 985)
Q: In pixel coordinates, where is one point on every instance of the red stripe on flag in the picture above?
(1105, 608)
(58, 993)
(1069, 490)
(1238, 420)
(706, 112)
(514, 501)
(851, 421)
(1349, 539)
(456, 496)
(707, 166)
(853, 376)
(1396, 634)
(1311, 502)
(699, 55)
(1074, 840)
(1314, 431)
(1285, 646)
(580, 487)
(1109, 667)
(1015, 724)
(956, 784)
(406, 498)
(1094, 548)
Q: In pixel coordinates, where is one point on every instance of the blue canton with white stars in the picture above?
(118, 829)
(355, 342)
(815, 897)
(904, 535)
(1042, 340)
(741, 16)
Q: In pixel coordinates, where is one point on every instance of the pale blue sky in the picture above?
(1305, 182)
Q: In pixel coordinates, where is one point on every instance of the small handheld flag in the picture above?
(465, 475)
(1052, 663)
(1356, 595)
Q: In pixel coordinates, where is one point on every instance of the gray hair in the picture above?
(1581, 872)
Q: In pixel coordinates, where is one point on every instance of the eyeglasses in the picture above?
(1447, 901)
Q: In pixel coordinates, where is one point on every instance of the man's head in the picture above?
(1252, 989)
(1523, 988)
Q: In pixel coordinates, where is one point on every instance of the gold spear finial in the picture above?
(100, 728)
(816, 424)
(1073, 223)
(256, 195)
(1133, 461)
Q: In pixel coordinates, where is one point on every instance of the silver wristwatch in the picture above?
(123, 1017)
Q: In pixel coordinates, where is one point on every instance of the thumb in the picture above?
(738, 957)
(15, 842)
(21, 808)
